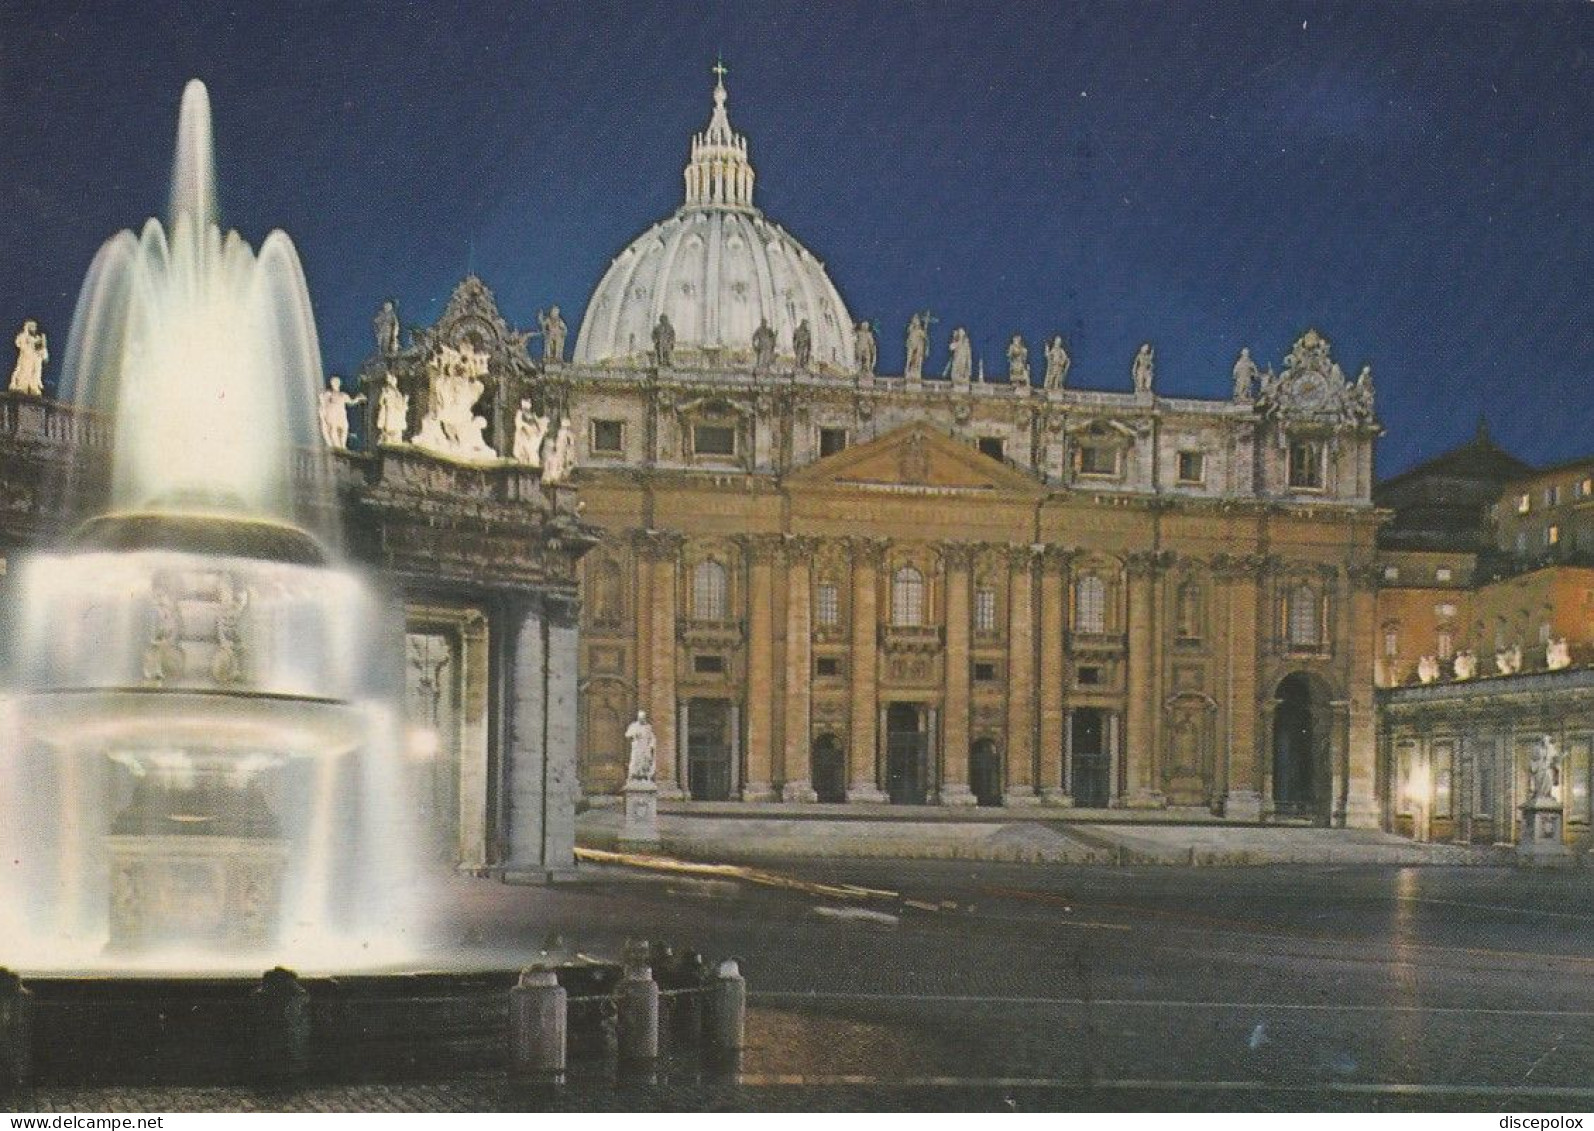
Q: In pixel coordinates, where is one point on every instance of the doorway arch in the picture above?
(1302, 727)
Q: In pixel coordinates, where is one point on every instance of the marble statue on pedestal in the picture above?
(802, 344)
(960, 363)
(1017, 361)
(1144, 369)
(560, 459)
(1508, 661)
(385, 326)
(1466, 665)
(392, 412)
(644, 749)
(335, 405)
(1543, 767)
(530, 431)
(1557, 654)
(918, 342)
(553, 334)
(1245, 376)
(32, 352)
(1428, 669)
(663, 342)
(764, 346)
(1057, 363)
(864, 344)
(1541, 841)
(451, 426)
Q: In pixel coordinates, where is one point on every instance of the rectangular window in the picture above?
(1090, 605)
(1306, 465)
(831, 441)
(708, 665)
(1444, 611)
(1447, 646)
(713, 440)
(1585, 488)
(1098, 459)
(1089, 676)
(608, 436)
(1552, 536)
(1442, 573)
(827, 605)
(985, 610)
(1304, 617)
(1552, 496)
(827, 666)
(1192, 467)
(991, 446)
(984, 671)
(1524, 504)
(1391, 573)
(1391, 643)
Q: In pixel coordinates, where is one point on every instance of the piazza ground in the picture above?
(991, 985)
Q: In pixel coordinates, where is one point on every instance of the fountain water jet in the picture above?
(199, 767)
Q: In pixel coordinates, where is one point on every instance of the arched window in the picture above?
(1304, 617)
(1090, 604)
(907, 597)
(708, 590)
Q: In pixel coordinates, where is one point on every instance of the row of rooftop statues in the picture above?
(1507, 661)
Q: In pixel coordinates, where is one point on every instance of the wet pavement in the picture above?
(996, 986)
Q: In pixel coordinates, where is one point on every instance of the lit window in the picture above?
(1391, 573)
(1306, 465)
(713, 440)
(1552, 536)
(1090, 605)
(1444, 612)
(985, 610)
(1442, 573)
(1585, 488)
(1192, 467)
(827, 607)
(907, 597)
(1524, 504)
(1304, 617)
(608, 436)
(708, 591)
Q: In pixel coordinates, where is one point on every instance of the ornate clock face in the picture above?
(1311, 392)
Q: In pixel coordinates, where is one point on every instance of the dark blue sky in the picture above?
(1414, 179)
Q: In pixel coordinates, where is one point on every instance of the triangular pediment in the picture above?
(915, 456)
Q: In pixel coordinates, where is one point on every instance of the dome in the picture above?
(716, 268)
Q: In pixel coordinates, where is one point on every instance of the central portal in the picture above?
(710, 749)
(907, 754)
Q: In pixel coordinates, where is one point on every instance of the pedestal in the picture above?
(957, 795)
(640, 830)
(1540, 843)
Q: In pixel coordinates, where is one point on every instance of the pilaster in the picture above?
(955, 721)
(863, 775)
(1140, 748)
(1020, 786)
(761, 550)
(1054, 587)
(660, 551)
(1241, 578)
(799, 670)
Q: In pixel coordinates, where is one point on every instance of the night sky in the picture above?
(1413, 179)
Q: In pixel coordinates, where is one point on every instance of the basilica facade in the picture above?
(828, 584)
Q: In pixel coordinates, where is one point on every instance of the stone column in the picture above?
(955, 724)
(1054, 589)
(1359, 801)
(1140, 746)
(1020, 788)
(799, 670)
(761, 550)
(1241, 578)
(539, 746)
(863, 775)
(660, 551)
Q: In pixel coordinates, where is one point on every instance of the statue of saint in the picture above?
(1057, 363)
(1144, 369)
(1466, 665)
(960, 365)
(335, 405)
(663, 342)
(392, 412)
(1557, 654)
(553, 334)
(1508, 661)
(32, 352)
(864, 344)
(918, 341)
(386, 328)
(802, 344)
(1017, 361)
(1361, 393)
(764, 346)
(1428, 669)
(1546, 761)
(530, 431)
(644, 749)
(1244, 377)
(227, 664)
(561, 458)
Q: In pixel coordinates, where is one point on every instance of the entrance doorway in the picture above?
(907, 754)
(985, 772)
(829, 770)
(1300, 748)
(1091, 783)
(709, 749)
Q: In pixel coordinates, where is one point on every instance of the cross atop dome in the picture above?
(719, 174)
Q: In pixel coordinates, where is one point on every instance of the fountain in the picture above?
(200, 766)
